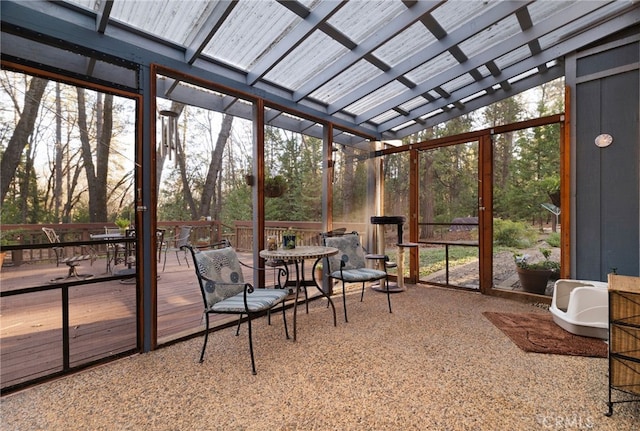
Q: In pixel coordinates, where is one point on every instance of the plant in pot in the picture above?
(123, 224)
(535, 276)
(289, 239)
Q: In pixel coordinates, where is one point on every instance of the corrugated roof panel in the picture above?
(495, 34)
(357, 75)
(458, 83)
(541, 10)
(374, 99)
(513, 57)
(405, 44)
(454, 14)
(414, 103)
(483, 71)
(358, 19)
(87, 4)
(249, 31)
(561, 34)
(432, 68)
(311, 57)
(385, 116)
(167, 19)
(464, 80)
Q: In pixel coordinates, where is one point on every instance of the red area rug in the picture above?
(537, 332)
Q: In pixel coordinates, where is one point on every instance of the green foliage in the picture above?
(122, 223)
(510, 233)
(237, 205)
(11, 237)
(522, 261)
(553, 239)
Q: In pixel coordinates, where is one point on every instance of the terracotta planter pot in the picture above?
(534, 280)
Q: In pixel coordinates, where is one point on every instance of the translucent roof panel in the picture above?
(352, 78)
(380, 68)
(456, 84)
(432, 68)
(491, 36)
(405, 44)
(359, 19)
(166, 19)
(307, 60)
(455, 14)
(367, 102)
(249, 31)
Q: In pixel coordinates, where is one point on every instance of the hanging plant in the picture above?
(275, 186)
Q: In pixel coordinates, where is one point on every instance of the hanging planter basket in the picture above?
(275, 187)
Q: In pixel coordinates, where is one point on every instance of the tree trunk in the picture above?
(21, 134)
(97, 174)
(57, 171)
(103, 150)
(215, 167)
(427, 215)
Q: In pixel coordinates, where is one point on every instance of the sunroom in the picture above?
(166, 115)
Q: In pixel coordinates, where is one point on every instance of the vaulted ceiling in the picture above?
(383, 68)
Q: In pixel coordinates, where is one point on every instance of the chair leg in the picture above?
(362, 293)
(238, 327)
(388, 295)
(253, 362)
(178, 258)
(206, 337)
(284, 319)
(344, 302)
(165, 260)
(186, 258)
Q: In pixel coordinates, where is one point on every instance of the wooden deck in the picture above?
(102, 316)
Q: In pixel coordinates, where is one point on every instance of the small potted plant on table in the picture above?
(123, 224)
(289, 239)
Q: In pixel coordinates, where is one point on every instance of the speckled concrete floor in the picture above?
(434, 364)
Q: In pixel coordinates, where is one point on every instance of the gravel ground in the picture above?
(434, 364)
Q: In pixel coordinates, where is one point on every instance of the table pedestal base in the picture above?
(392, 286)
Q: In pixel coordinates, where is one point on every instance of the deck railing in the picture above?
(21, 236)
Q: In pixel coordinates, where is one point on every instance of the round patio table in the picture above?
(298, 255)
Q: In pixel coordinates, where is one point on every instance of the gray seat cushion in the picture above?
(258, 300)
(360, 274)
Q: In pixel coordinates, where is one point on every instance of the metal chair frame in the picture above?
(72, 262)
(250, 301)
(354, 275)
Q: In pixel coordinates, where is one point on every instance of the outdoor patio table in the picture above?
(298, 255)
(108, 236)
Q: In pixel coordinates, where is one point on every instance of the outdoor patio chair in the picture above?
(177, 243)
(224, 291)
(73, 262)
(349, 265)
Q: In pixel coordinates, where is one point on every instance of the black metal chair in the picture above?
(224, 291)
(349, 265)
(177, 243)
(71, 261)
